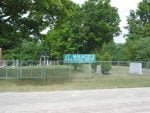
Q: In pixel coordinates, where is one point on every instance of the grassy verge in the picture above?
(73, 84)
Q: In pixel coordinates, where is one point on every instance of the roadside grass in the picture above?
(73, 84)
(61, 78)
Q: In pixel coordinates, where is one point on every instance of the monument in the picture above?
(135, 68)
(98, 69)
(1, 61)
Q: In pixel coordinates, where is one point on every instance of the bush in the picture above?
(94, 65)
(106, 65)
(105, 68)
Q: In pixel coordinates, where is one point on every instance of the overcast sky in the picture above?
(124, 7)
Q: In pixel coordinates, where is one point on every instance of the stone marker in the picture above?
(135, 68)
(98, 69)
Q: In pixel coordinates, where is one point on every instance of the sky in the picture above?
(124, 7)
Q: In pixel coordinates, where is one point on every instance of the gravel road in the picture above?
(128, 100)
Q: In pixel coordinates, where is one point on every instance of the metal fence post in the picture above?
(44, 73)
(69, 71)
(118, 63)
(31, 73)
(89, 70)
(83, 71)
(20, 69)
(6, 73)
(17, 68)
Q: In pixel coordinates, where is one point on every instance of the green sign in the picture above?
(79, 58)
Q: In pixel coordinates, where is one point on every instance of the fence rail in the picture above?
(15, 69)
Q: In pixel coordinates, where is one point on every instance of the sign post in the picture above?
(80, 59)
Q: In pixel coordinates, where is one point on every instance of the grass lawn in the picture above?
(87, 83)
(61, 78)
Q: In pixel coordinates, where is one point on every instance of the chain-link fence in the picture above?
(60, 70)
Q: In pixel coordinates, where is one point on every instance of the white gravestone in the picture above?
(135, 68)
(98, 69)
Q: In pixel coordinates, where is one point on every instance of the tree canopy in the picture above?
(139, 21)
(73, 28)
(23, 20)
(90, 25)
(139, 36)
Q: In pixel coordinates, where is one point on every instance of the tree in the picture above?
(27, 51)
(11, 21)
(21, 22)
(15, 27)
(137, 46)
(138, 50)
(85, 31)
(101, 21)
(117, 51)
(139, 21)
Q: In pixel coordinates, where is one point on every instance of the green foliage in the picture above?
(28, 51)
(106, 66)
(99, 24)
(15, 27)
(85, 30)
(73, 28)
(117, 51)
(137, 46)
(139, 21)
(138, 50)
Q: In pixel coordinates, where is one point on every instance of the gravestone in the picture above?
(1, 61)
(135, 68)
(98, 69)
